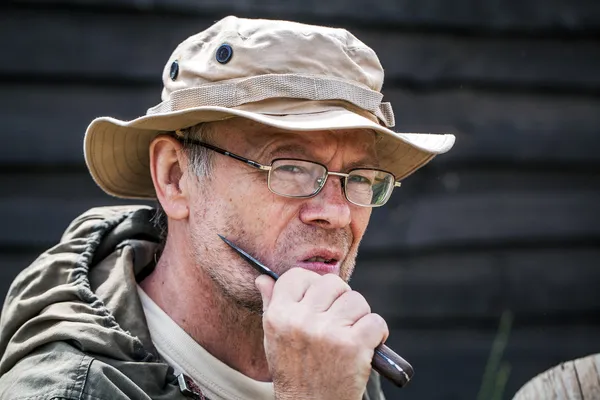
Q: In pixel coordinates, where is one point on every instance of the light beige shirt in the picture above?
(217, 380)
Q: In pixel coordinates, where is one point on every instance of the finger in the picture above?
(265, 285)
(292, 285)
(324, 292)
(349, 308)
(371, 329)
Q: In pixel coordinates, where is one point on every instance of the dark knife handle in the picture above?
(391, 366)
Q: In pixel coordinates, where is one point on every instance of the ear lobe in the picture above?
(168, 176)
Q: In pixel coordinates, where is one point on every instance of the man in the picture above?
(272, 134)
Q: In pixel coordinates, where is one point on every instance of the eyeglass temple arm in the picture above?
(229, 154)
(254, 163)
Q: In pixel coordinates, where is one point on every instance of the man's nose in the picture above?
(329, 208)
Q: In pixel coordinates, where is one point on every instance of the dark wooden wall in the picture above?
(509, 220)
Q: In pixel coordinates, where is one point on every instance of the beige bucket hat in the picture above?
(282, 74)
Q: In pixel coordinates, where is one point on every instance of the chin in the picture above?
(238, 288)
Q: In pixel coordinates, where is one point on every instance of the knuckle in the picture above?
(326, 334)
(334, 280)
(371, 323)
(355, 301)
(296, 321)
(359, 301)
(379, 322)
(276, 317)
(271, 320)
(295, 274)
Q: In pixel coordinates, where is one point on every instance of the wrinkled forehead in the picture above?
(263, 141)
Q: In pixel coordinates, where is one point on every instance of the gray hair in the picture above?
(200, 164)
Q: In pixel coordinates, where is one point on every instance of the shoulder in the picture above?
(60, 371)
(50, 372)
(88, 222)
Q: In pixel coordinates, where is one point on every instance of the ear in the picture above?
(167, 166)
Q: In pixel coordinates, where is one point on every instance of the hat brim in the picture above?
(117, 155)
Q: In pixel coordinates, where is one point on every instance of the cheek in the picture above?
(360, 220)
(258, 210)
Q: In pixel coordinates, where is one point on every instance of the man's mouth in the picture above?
(322, 262)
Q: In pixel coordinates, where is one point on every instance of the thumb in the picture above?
(265, 284)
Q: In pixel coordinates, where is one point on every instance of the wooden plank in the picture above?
(71, 48)
(530, 350)
(454, 357)
(61, 184)
(562, 15)
(404, 269)
(42, 220)
(67, 195)
(414, 219)
(427, 61)
(482, 283)
(435, 351)
(448, 289)
(486, 219)
(503, 127)
(64, 112)
(421, 223)
(464, 179)
(471, 285)
(490, 127)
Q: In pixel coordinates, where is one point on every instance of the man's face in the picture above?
(321, 233)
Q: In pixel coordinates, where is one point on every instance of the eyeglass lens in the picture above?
(298, 178)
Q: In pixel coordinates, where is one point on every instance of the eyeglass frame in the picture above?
(269, 168)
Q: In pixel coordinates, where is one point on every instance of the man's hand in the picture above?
(319, 336)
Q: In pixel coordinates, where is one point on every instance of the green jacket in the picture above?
(72, 326)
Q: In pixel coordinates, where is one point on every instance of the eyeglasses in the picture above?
(290, 177)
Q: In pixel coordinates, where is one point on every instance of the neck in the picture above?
(225, 329)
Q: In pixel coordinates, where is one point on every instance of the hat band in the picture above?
(235, 92)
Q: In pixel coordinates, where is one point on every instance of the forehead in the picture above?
(264, 141)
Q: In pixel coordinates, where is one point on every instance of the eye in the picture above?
(291, 169)
(359, 179)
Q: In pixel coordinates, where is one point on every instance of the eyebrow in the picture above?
(367, 161)
(289, 148)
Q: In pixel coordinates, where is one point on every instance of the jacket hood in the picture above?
(83, 290)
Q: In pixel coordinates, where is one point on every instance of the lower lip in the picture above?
(321, 267)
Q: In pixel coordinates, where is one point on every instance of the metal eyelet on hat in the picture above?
(224, 53)
(174, 70)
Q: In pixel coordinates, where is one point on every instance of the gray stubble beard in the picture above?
(237, 286)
